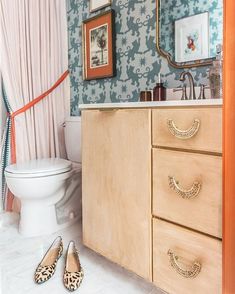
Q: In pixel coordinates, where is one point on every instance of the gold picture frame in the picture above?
(99, 46)
(163, 53)
(99, 4)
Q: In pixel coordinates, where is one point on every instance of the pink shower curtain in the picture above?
(33, 55)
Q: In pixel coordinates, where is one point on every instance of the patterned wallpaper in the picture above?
(172, 10)
(138, 63)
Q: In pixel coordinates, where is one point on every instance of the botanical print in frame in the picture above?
(192, 38)
(99, 46)
(98, 4)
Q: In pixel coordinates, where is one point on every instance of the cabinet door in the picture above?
(116, 163)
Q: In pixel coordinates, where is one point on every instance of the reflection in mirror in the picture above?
(188, 31)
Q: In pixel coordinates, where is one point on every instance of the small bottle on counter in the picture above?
(159, 91)
(145, 96)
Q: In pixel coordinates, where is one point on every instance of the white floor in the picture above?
(20, 256)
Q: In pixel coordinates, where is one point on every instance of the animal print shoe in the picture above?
(47, 266)
(73, 272)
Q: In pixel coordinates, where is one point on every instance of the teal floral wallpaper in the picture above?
(138, 62)
(172, 10)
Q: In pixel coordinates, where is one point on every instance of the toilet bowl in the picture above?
(49, 189)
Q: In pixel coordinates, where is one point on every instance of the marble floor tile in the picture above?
(20, 256)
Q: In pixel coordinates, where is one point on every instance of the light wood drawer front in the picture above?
(203, 126)
(187, 189)
(198, 268)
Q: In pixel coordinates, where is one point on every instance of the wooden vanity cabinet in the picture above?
(116, 159)
(152, 193)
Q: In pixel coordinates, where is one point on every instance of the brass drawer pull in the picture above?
(180, 134)
(186, 273)
(185, 194)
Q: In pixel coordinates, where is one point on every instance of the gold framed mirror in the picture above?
(171, 22)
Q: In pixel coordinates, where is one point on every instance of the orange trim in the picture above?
(10, 196)
(25, 108)
(89, 25)
(229, 150)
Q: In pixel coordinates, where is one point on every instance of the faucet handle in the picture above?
(177, 89)
(184, 94)
(202, 91)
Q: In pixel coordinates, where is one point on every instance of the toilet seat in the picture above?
(39, 168)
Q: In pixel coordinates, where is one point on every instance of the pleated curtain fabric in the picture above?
(33, 55)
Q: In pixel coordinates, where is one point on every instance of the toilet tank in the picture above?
(72, 132)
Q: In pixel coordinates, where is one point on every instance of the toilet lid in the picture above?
(46, 166)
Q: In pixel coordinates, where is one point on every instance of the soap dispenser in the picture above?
(159, 91)
(215, 74)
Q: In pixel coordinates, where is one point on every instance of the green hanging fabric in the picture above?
(5, 155)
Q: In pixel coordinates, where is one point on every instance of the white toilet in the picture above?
(49, 189)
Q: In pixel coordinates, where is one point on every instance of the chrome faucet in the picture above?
(183, 75)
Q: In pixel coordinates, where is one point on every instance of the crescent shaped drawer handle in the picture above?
(183, 134)
(191, 273)
(185, 194)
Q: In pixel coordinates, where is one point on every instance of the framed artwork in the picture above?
(99, 56)
(98, 4)
(192, 38)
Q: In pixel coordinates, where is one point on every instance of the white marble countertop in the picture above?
(153, 104)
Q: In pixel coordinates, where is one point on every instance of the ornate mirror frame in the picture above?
(163, 53)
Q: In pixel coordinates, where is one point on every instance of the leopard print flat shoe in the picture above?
(47, 266)
(73, 272)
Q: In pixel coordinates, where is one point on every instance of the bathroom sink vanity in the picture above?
(152, 190)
